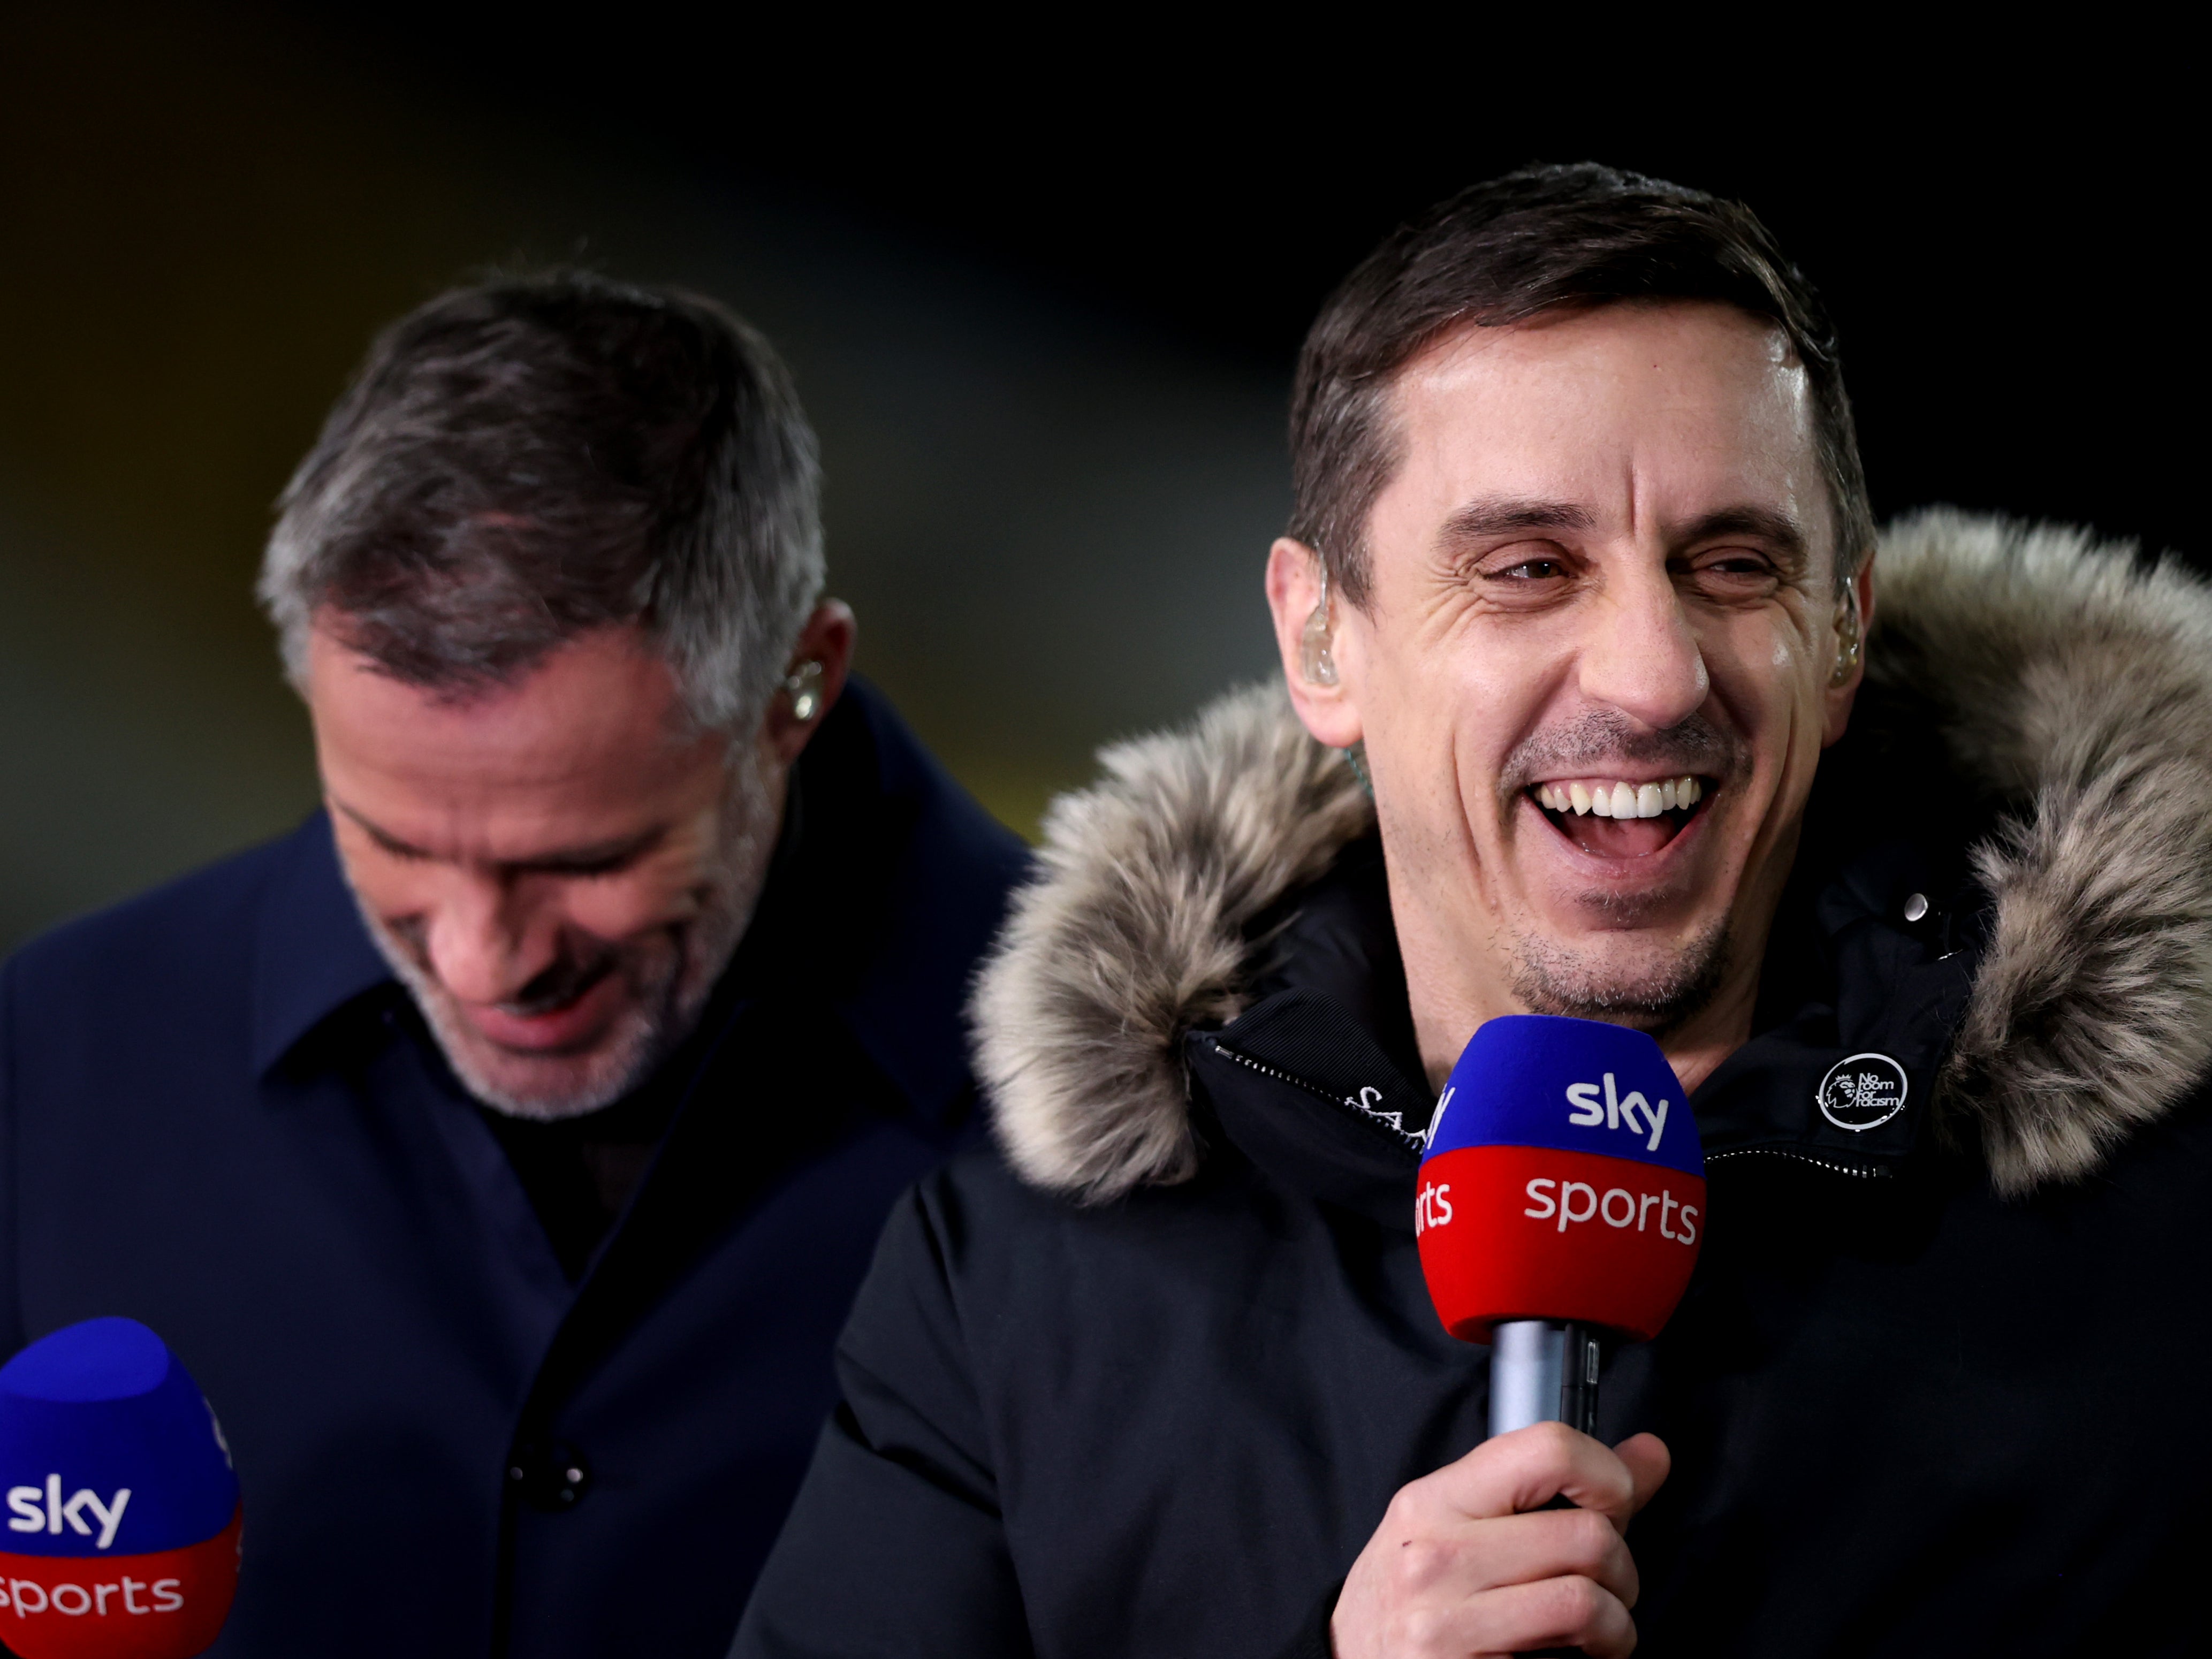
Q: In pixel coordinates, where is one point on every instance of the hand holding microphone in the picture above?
(1469, 1561)
(123, 1517)
(1561, 1200)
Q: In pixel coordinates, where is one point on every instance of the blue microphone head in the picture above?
(1576, 1085)
(102, 1408)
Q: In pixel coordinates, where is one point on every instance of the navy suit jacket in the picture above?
(219, 1114)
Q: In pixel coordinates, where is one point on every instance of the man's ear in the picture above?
(819, 665)
(1854, 625)
(1308, 612)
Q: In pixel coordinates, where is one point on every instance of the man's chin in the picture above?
(1625, 977)
(549, 1086)
(545, 1087)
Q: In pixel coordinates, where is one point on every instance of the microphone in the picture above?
(123, 1516)
(1562, 1200)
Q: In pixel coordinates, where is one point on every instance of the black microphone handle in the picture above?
(1578, 1369)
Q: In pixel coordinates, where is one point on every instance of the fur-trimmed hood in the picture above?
(2066, 682)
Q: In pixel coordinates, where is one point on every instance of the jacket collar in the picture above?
(898, 883)
(2038, 719)
(1319, 1081)
(312, 955)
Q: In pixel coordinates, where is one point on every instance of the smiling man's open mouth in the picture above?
(1615, 818)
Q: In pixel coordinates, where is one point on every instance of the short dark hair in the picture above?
(1541, 239)
(522, 461)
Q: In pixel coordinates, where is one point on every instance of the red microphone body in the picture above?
(1562, 1200)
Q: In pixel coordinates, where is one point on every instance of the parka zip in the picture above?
(1417, 1143)
(1406, 1138)
(1874, 1174)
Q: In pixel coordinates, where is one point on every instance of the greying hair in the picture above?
(1543, 239)
(521, 462)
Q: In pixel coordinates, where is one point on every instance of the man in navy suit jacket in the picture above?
(501, 1150)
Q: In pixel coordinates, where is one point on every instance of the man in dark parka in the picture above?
(502, 1149)
(1586, 714)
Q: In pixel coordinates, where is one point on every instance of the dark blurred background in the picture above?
(1040, 286)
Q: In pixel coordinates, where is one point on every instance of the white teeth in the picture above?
(1623, 801)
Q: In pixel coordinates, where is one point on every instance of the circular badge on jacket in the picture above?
(1862, 1091)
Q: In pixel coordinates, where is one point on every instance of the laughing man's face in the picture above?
(1597, 663)
(558, 868)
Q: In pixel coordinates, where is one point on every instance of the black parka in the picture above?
(1934, 1388)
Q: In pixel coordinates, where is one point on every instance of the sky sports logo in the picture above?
(1574, 1201)
(1590, 1106)
(73, 1601)
(41, 1509)
(1618, 1111)
(1677, 1220)
(1595, 1104)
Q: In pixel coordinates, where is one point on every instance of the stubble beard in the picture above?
(1658, 997)
(671, 972)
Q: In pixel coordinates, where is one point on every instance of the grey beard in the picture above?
(1551, 979)
(666, 1006)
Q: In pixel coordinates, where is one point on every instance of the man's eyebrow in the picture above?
(1775, 528)
(603, 853)
(379, 835)
(1506, 515)
(566, 858)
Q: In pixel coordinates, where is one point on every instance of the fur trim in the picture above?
(2067, 677)
(2063, 676)
(1135, 935)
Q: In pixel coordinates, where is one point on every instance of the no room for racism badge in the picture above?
(1862, 1093)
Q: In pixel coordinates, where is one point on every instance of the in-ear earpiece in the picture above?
(1848, 647)
(803, 685)
(1314, 664)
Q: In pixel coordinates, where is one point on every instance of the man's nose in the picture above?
(485, 944)
(1640, 655)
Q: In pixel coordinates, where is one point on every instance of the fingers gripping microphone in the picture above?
(123, 1517)
(1562, 1198)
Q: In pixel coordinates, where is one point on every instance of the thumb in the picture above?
(1648, 1461)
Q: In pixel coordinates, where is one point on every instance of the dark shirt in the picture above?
(581, 1172)
(219, 1114)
